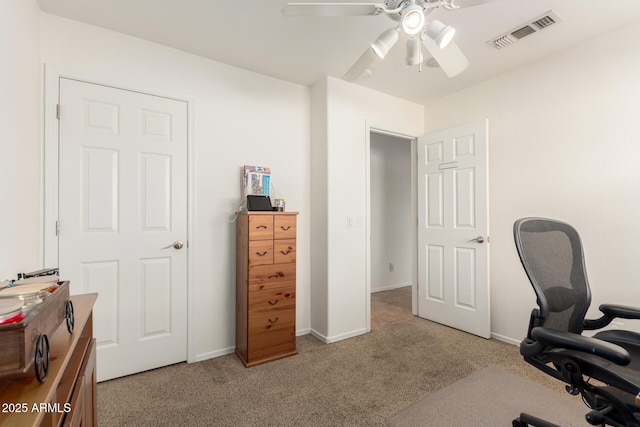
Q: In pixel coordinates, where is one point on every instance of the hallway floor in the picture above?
(389, 307)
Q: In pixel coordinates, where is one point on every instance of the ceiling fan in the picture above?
(411, 16)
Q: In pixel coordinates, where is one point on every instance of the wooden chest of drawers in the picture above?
(265, 286)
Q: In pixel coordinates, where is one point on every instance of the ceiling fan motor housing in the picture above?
(403, 4)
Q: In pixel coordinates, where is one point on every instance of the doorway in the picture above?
(449, 223)
(117, 161)
(391, 228)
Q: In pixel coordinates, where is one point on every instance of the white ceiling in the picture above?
(253, 34)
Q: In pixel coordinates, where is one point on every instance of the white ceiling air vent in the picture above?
(524, 30)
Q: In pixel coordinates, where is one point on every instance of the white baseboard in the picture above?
(335, 338)
(390, 287)
(325, 339)
(301, 332)
(503, 338)
(212, 354)
(318, 335)
(223, 352)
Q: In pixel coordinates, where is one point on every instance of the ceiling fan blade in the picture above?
(361, 65)
(332, 9)
(451, 59)
(469, 3)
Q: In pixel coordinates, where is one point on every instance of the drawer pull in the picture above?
(273, 302)
(261, 253)
(274, 276)
(287, 252)
(274, 321)
(261, 226)
(285, 228)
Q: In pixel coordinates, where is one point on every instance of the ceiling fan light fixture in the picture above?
(414, 53)
(413, 19)
(385, 42)
(440, 33)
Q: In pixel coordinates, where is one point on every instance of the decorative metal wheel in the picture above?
(41, 357)
(69, 316)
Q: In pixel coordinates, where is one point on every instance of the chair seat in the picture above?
(630, 341)
(626, 378)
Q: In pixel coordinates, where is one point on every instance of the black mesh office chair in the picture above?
(605, 368)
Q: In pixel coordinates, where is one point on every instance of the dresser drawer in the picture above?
(260, 252)
(271, 276)
(284, 227)
(271, 319)
(272, 345)
(260, 227)
(284, 251)
(270, 299)
(271, 328)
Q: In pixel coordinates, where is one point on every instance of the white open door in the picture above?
(122, 205)
(453, 250)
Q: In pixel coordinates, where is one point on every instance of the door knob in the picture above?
(175, 245)
(478, 239)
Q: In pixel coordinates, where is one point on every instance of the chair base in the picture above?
(525, 420)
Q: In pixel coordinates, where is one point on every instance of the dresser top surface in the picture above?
(266, 213)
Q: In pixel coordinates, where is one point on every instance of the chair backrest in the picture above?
(551, 253)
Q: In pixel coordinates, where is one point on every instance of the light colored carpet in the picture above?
(356, 382)
(390, 307)
(491, 397)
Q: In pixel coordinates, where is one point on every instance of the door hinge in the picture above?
(58, 111)
(57, 228)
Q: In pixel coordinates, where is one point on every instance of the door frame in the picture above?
(372, 126)
(49, 180)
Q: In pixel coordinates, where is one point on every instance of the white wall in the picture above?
(390, 211)
(20, 147)
(350, 110)
(563, 143)
(319, 210)
(241, 118)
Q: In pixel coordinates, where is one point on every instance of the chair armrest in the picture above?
(610, 312)
(571, 341)
(620, 311)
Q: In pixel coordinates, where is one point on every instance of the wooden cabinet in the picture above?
(19, 340)
(265, 286)
(68, 395)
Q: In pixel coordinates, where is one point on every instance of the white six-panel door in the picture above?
(122, 199)
(453, 287)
